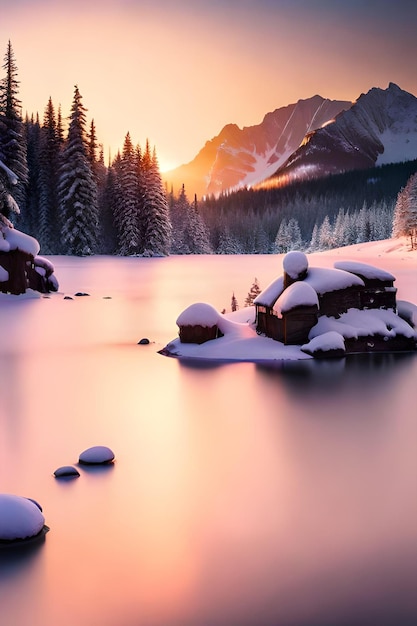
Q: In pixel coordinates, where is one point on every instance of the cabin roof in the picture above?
(298, 294)
(322, 280)
(199, 314)
(365, 270)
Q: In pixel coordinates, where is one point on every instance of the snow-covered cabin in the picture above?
(291, 305)
(20, 266)
(198, 323)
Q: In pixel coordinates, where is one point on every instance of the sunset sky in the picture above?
(177, 71)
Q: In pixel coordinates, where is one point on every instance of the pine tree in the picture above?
(77, 188)
(405, 212)
(198, 237)
(234, 304)
(12, 135)
(179, 213)
(30, 218)
(49, 224)
(254, 291)
(156, 224)
(127, 218)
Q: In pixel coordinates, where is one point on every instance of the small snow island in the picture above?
(308, 312)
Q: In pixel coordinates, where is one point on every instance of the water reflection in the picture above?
(241, 495)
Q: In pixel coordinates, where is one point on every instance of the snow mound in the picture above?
(327, 342)
(20, 518)
(199, 314)
(20, 241)
(295, 263)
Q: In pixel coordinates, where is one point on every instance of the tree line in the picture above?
(74, 204)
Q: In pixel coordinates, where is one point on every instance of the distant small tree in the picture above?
(254, 291)
(405, 212)
(234, 304)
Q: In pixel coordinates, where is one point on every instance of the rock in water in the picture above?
(66, 471)
(20, 518)
(96, 455)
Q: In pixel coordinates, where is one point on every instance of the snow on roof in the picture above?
(20, 518)
(199, 314)
(4, 245)
(46, 264)
(271, 293)
(295, 263)
(297, 294)
(20, 241)
(323, 279)
(363, 269)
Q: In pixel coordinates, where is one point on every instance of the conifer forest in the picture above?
(74, 203)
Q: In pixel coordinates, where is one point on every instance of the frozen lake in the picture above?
(241, 494)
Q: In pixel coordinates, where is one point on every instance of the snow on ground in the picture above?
(241, 342)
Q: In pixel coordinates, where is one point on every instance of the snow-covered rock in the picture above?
(20, 518)
(96, 455)
(66, 471)
(330, 343)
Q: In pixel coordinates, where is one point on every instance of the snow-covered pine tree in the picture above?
(325, 234)
(12, 135)
(198, 237)
(49, 225)
(234, 304)
(254, 291)
(77, 187)
(156, 225)
(127, 219)
(108, 209)
(179, 214)
(228, 243)
(405, 212)
(30, 218)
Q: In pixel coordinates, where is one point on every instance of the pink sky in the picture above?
(177, 72)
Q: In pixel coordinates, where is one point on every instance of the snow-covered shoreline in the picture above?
(240, 341)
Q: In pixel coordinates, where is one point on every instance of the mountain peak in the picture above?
(311, 137)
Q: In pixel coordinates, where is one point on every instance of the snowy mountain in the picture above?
(239, 157)
(312, 137)
(380, 128)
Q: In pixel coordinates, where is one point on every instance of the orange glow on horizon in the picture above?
(177, 73)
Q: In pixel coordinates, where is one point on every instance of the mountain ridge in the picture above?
(312, 137)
